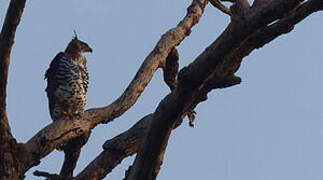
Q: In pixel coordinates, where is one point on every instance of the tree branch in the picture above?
(50, 176)
(8, 145)
(72, 150)
(193, 78)
(61, 131)
(7, 36)
(217, 4)
(115, 150)
(271, 32)
(286, 24)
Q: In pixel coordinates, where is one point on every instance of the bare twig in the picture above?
(220, 6)
(50, 176)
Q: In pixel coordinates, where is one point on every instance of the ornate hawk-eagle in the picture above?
(67, 80)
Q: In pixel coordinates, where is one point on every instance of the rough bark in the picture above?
(10, 152)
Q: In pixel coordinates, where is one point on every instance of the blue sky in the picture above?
(268, 127)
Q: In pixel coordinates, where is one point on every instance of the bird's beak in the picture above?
(88, 49)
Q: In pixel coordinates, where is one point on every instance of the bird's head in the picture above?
(76, 49)
(77, 46)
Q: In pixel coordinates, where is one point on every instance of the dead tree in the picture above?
(251, 27)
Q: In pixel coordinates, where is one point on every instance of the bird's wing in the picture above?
(52, 81)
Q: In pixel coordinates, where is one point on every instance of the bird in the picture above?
(67, 80)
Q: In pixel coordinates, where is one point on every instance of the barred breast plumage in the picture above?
(67, 84)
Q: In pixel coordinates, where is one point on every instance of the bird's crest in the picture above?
(75, 35)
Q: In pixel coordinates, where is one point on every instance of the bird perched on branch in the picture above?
(67, 80)
(67, 83)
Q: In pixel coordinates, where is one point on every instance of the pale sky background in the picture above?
(270, 127)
